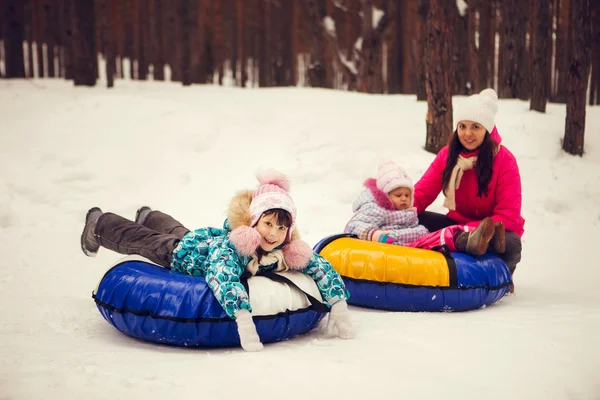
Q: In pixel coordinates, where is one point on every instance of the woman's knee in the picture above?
(434, 221)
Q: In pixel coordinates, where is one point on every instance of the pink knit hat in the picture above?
(272, 193)
(390, 176)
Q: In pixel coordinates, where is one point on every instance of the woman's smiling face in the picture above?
(470, 134)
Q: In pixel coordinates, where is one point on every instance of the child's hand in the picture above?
(247, 331)
(339, 321)
(382, 237)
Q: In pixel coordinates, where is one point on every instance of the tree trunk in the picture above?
(277, 42)
(218, 45)
(241, 27)
(459, 55)
(563, 56)
(473, 65)
(369, 79)
(580, 44)
(540, 48)
(595, 82)
(262, 44)
(439, 91)
(287, 56)
(486, 44)
(102, 16)
(66, 31)
(422, 11)
(142, 39)
(188, 33)
(156, 32)
(85, 65)
(173, 38)
(40, 36)
(49, 36)
(395, 51)
(14, 36)
(317, 73)
(199, 44)
(29, 22)
(513, 58)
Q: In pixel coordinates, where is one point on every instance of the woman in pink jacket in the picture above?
(479, 177)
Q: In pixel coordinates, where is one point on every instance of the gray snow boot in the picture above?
(89, 243)
(141, 214)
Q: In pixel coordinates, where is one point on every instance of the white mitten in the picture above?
(339, 321)
(247, 330)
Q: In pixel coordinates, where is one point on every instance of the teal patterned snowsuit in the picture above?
(209, 253)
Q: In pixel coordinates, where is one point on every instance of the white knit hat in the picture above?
(271, 193)
(390, 177)
(480, 108)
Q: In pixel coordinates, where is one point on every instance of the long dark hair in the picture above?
(483, 169)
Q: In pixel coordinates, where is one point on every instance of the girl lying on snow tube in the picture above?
(403, 279)
(259, 237)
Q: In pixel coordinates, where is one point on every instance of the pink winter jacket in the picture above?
(503, 202)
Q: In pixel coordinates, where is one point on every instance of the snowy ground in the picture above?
(186, 151)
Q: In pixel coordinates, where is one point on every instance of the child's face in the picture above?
(272, 234)
(470, 134)
(400, 198)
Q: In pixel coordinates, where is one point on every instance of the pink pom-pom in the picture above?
(245, 239)
(274, 177)
(297, 254)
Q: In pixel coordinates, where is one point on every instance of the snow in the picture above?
(329, 24)
(462, 7)
(186, 151)
(377, 15)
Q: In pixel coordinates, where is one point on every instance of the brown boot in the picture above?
(476, 242)
(498, 242)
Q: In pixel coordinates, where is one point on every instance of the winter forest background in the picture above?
(537, 50)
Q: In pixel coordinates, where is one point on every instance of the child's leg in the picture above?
(437, 239)
(127, 237)
(161, 222)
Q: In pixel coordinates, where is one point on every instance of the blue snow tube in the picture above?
(155, 304)
(398, 278)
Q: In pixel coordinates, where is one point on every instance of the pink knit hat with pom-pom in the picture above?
(272, 193)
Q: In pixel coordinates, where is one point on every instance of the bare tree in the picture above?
(541, 47)
(595, 81)
(188, 33)
(317, 73)
(422, 11)
(14, 36)
(580, 43)
(85, 65)
(437, 83)
(362, 69)
(473, 78)
(486, 43)
(562, 51)
(513, 61)
(66, 37)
